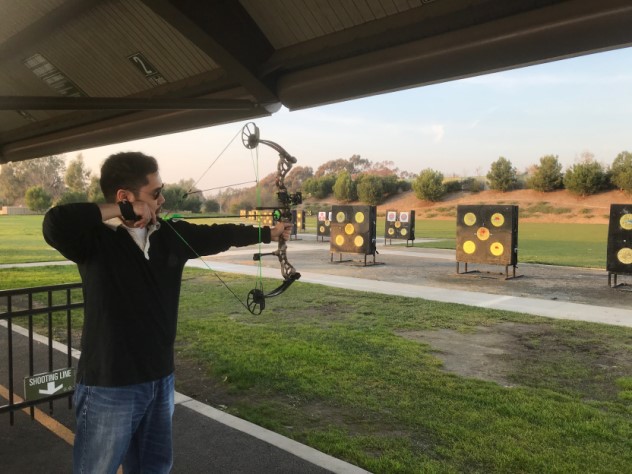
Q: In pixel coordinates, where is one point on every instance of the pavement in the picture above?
(209, 440)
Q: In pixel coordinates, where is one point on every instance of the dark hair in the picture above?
(126, 170)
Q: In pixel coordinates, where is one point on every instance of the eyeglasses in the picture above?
(156, 193)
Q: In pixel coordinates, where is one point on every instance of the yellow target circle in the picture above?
(497, 249)
(359, 217)
(349, 229)
(340, 217)
(469, 247)
(625, 255)
(358, 241)
(482, 233)
(391, 231)
(626, 221)
(398, 224)
(497, 219)
(403, 231)
(340, 240)
(327, 223)
(469, 218)
(321, 229)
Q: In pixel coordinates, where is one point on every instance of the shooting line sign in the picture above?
(50, 383)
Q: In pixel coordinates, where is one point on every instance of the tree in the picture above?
(344, 188)
(621, 171)
(17, 177)
(71, 197)
(94, 191)
(370, 189)
(296, 177)
(429, 186)
(585, 178)
(177, 199)
(353, 165)
(211, 205)
(319, 188)
(548, 176)
(77, 176)
(37, 199)
(502, 175)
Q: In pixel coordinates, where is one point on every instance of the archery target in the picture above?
(298, 220)
(487, 234)
(400, 225)
(619, 253)
(353, 229)
(323, 224)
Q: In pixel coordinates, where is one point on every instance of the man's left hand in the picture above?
(281, 230)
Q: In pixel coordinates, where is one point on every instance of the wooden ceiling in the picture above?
(81, 73)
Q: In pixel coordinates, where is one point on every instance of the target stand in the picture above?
(487, 234)
(612, 282)
(400, 226)
(507, 277)
(358, 263)
(323, 225)
(353, 231)
(619, 256)
(298, 223)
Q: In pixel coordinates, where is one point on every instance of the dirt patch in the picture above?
(571, 361)
(481, 354)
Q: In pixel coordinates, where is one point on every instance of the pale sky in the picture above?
(563, 108)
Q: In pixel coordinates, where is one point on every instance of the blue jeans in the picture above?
(128, 425)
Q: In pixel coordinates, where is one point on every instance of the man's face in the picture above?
(151, 193)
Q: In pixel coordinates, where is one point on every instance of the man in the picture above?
(131, 264)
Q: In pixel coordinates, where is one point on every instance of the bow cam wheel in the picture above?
(250, 135)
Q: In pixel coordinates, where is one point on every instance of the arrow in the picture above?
(51, 389)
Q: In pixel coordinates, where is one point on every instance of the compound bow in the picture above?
(256, 299)
(283, 213)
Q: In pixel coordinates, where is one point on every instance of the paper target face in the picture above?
(469, 219)
(403, 217)
(469, 247)
(497, 219)
(482, 233)
(625, 255)
(496, 249)
(626, 221)
(391, 216)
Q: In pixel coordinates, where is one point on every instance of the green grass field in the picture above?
(577, 245)
(333, 369)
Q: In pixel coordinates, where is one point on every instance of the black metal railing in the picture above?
(24, 311)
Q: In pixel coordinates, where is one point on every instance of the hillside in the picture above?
(556, 206)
